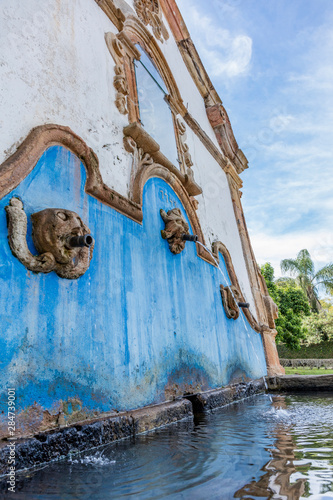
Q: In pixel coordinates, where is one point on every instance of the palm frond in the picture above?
(325, 273)
(305, 263)
(286, 281)
(290, 265)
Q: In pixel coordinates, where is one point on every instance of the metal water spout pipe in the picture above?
(81, 241)
(189, 237)
(244, 305)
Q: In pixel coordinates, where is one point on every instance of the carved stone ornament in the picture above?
(117, 51)
(62, 239)
(175, 227)
(229, 294)
(146, 151)
(149, 12)
(184, 149)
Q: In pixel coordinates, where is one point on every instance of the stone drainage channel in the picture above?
(68, 441)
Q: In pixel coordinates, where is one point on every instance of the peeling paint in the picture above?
(141, 326)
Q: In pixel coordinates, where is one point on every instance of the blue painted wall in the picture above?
(140, 319)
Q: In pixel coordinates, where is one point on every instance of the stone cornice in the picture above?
(230, 169)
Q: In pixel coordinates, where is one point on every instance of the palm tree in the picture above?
(303, 270)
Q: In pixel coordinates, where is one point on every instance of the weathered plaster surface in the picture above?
(140, 326)
(55, 68)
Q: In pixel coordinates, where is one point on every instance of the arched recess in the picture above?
(23, 161)
(149, 169)
(136, 32)
(218, 247)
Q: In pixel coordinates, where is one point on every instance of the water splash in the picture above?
(96, 459)
(226, 283)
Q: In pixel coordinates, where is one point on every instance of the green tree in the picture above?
(303, 270)
(293, 306)
(319, 326)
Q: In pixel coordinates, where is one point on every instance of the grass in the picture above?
(324, 350)
(307, 371)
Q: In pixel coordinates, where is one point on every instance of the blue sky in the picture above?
(271, 62)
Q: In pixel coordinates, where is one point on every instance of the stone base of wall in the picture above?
(311, 363)
(58, 443)
(52, 445)
(301, 383)
(217, 398)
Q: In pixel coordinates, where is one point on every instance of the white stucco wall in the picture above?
(55, 68)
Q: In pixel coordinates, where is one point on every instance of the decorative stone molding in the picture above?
(117, 51)
(230, 306)
(136, 32)
(62, 239)
(183, 146)
(217, 248)
(175, 227)
(146, 145)
(149, 13)
(115, 14)
(119, 47)
(18, 166)
(220, 122)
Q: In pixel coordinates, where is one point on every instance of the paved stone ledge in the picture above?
(301, 383)
(52, 445)
(217, 398)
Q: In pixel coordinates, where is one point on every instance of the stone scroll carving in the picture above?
(175, 228)
(149, 12)
(62, 239)
(184, 149)
(229, 294)
(117, 51)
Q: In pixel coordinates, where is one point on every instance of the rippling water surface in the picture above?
(262, 448)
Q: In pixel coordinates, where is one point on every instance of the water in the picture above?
(256, 449)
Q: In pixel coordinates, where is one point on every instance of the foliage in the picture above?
(292, 304)
(324, 350)
(307, 371)
(303, 270)
(327, 304)
(319, 326)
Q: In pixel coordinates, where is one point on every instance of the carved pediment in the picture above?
(149, 13)
(140, 144)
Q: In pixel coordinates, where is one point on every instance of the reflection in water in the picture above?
(281, 450)
(279, 469)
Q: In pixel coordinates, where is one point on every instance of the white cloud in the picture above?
(223, 53)
(273, 249)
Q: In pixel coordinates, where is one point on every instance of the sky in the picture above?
(271, 61)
